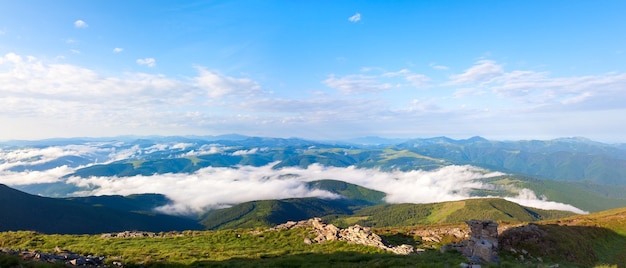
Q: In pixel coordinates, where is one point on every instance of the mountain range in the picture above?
(371, 181)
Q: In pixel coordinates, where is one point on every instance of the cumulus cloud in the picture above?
(118, 50)
(355, 18)
(590, 92)
(47, 94)
(150, 62)
(80, 24)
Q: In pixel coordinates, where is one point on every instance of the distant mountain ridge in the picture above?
(587, 174)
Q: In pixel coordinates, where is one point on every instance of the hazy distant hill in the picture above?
(572, 159)
(21, 211)
(567, 159)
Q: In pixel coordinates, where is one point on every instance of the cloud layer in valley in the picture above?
(217, 187)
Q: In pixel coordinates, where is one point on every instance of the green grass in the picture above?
(445, 211)
(228, 248)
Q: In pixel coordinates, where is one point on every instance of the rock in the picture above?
(78, 262)
(482, 245)
(63, 256)
(403, 249)
(355, 234)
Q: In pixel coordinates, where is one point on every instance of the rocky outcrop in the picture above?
(482, 245)
(436, 235)
(483, 242)
(59, 257)
(355, 234)
(138, 234)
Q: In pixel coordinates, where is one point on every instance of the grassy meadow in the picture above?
(227, 248)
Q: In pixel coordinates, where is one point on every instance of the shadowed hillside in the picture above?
(22, 211)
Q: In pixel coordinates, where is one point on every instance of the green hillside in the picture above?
(22, 211)
(350, 191)
(447, 212)
(266, 213)
(343, 212)
(577, 241)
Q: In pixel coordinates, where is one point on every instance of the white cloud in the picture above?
(356, 84)
(418, 80)
(118, 50)
(218, 85)
(527, 197)
(215, 187)
(150, 62)
(246, 152)
(206, 149)
(39, 96)
(34, 177)
(591, 92)
(439, 67)
(483, 71)
(80, 24)
(355, 18)
(75, 51)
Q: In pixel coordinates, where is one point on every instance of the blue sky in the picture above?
(313, 69)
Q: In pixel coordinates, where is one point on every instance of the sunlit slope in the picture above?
(447, 212)
(358, 194)
(267, 213)
(343, 212)
(581, 241)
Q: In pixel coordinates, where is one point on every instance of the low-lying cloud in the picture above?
(218, 187)
(527, 197)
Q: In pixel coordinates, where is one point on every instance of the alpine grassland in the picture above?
(224, 248)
